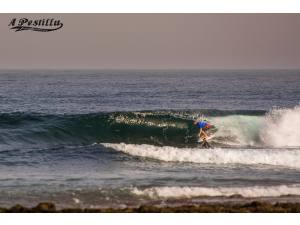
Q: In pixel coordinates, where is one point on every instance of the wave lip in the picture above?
(274, 157)
(282, 127)
(189, 192)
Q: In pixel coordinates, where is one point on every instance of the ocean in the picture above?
(118, 138)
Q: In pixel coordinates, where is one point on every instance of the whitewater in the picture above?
(273, 157)
(279, 127)
(189, 192)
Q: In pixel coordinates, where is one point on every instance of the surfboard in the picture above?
(207, 139)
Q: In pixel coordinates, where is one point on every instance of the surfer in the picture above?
(203, 126)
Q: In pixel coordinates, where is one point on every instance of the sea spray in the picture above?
(282, 128)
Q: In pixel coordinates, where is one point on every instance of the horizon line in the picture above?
(69, 69)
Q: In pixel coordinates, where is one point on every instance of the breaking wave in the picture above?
(273, 157)
(277, 128)
(282, 127)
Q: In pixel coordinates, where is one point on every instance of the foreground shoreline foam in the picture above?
(246, 192)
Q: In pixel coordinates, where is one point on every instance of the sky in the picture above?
(154, 41)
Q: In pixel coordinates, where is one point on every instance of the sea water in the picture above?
(115, 138)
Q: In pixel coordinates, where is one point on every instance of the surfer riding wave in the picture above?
(204, 126)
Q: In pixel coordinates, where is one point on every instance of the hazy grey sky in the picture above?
(155, 41)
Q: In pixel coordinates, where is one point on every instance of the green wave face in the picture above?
(174, 128)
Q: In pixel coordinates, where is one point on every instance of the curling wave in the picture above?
(277, 128)
(273, 157)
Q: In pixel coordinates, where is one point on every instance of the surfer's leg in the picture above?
(208, 145)
(204, 143)
(200, 134)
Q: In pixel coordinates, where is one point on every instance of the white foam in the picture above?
(276, 157)
(282, 127)
(188, 192)
(141, 120)
(278, 128)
